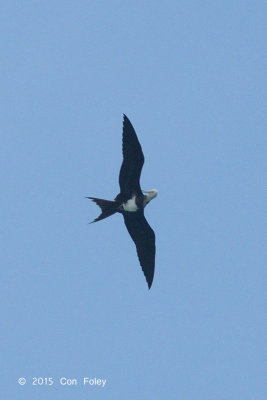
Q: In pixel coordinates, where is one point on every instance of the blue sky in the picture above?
(74, 302)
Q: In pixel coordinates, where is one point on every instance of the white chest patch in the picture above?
(130, 205)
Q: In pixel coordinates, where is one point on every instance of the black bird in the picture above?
(131, 201)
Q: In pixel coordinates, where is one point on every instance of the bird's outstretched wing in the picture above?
(133, 160)
(144, 239)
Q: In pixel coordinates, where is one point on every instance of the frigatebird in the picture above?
(131, 201)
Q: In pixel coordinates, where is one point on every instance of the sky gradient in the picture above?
(74, 302)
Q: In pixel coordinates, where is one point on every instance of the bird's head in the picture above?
(151, 194)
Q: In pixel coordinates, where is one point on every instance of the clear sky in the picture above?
(74, 301)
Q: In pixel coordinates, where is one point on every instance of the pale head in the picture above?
(151, 194)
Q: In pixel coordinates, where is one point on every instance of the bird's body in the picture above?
(131, 201)
(130, 205)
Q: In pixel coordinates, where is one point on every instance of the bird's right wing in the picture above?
(133, 160)
(144, 239)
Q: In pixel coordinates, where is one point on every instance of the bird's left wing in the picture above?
(133, 160)
(144, 239)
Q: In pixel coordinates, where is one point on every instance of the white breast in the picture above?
(130, 205)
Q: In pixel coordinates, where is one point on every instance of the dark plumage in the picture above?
(131, 201)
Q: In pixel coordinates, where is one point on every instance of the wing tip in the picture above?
(149, 284)
(149, 280)
(125, 120)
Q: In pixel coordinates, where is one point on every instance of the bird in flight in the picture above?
(132, 200)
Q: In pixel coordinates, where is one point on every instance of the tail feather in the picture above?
(108, 208)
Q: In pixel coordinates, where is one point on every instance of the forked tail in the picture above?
(107, 207)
